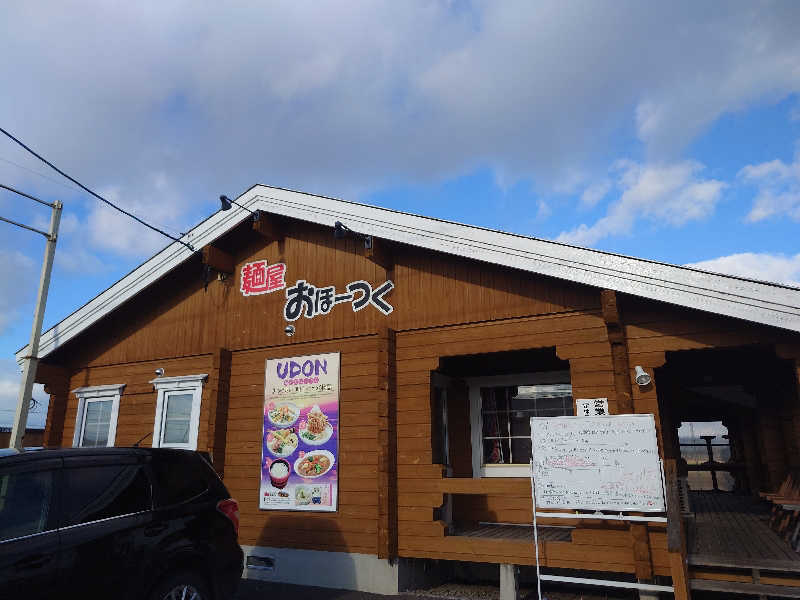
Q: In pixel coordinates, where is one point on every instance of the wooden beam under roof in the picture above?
(270, 227)
(217, 259)
(380, 252)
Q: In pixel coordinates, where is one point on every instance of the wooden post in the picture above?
(56, 384)
(619, 350)
(219, 389)
(641, 551)
(676, 536)
(387, 445)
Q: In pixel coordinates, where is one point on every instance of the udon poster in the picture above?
(300, 445)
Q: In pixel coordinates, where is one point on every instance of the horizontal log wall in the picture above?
(579, 337)
(354, 528)
(137, 405)
(443, 306)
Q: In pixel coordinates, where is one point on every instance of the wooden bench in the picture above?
(789, 488)
(785, 516)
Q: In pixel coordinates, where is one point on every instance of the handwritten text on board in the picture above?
(597, 463)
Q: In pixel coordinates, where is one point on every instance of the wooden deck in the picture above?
(732, 531)
(500, 531)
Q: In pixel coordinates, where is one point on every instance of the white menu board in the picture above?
(597, 463)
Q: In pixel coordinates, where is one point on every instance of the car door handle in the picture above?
(155, 529)
(34, 562)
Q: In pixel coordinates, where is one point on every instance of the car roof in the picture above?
(33, 454)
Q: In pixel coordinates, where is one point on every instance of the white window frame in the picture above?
(476, 418)
(94, 393)
(181, 384)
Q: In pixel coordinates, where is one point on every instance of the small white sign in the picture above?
(591, 407)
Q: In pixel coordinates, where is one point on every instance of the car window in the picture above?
(25, 500)
(179, 478)
(92, 493)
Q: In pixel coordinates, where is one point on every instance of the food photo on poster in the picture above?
(300, 443)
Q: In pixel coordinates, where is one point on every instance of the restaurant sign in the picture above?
(308, 300)
(299, 449)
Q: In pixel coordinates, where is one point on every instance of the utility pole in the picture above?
(31, 360)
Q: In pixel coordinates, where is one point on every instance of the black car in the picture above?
(116, 523)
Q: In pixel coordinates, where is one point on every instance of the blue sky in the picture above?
(665, 131)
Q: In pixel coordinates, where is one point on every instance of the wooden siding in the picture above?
(137, 405)
(179, 317)
(354, 528)
(580, 337)
(444, 306)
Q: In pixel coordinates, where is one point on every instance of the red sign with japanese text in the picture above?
(259, 277)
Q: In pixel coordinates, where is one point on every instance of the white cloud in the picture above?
(17, 285)
(154, 200)
(10, 376)
(778, 268)
(594, 193)
(778, 186)
(672, 194)
(340, 98)
(543, 210)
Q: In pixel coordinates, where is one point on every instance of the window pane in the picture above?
(495, 424)
(177, 418)
(24, 503)
(97, 419)
(93, 493)
(506, 413)
(554, 407)
(496, 452)
(722, 453)
(521, 450)
(179, 478)
(521, 423)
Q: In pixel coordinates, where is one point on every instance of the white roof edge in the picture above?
(759, 302)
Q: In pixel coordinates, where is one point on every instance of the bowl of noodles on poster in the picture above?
(314, 464)
(316, 429)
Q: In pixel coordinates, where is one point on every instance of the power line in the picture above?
(76, 189)
(42, 175)
(95, 194)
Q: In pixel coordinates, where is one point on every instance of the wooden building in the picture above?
(432, 451)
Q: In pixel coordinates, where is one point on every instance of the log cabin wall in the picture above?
(180, 326)
(579, 337)
(443, 306)
(137, 407)
(354, 527)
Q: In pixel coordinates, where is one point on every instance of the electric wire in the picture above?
(42, 175)
(93, 193)
(77, 189)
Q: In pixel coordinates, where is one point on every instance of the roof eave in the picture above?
(760, 302)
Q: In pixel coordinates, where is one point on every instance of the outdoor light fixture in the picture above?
(642, 377)
(341, 231)
(226, 204)
(159, 372)
(289, 330)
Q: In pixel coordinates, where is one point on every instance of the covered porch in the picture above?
(729, 419)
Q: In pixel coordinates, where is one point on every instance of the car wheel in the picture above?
(183, 585)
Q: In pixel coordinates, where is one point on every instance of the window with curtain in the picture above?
(506, 412)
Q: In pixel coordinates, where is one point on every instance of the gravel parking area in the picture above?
(259, 590)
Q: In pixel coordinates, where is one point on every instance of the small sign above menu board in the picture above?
(300, 450)
(597, 463)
